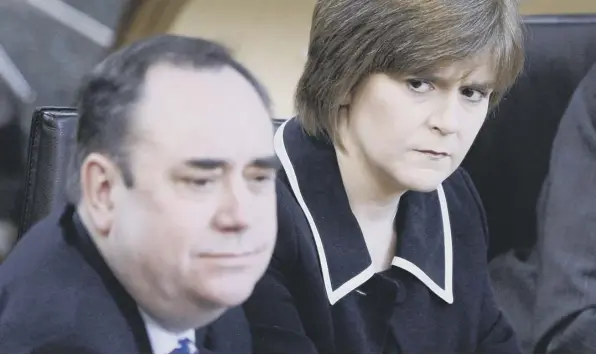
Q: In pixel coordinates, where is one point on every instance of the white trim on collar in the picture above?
(333, 295)
(337, 294)
(447, 293)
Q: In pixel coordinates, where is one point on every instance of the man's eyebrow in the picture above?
(270, 162)
(206, 163)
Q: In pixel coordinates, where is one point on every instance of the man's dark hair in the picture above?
(111, 91)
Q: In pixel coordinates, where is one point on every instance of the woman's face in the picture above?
(415, 131)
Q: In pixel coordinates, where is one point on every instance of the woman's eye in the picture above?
(473, 94)
(419, 86)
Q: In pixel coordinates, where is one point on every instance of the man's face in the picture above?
(199, 224)
(415, 131)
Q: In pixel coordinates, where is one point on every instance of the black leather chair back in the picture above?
(51, 142)
(509, 160)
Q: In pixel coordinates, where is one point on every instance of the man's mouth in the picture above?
(231, 254)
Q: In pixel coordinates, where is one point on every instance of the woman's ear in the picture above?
(347, 100)
(99, 179)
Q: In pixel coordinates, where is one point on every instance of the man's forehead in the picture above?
(204, 153)
(181, 99)
(216, 145)
(189, 113)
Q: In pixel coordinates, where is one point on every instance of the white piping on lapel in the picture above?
(335, 295)
(332, 295)
(447, 293)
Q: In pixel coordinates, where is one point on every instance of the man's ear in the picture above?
(99, 180)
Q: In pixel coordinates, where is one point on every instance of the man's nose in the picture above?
(232, 214)
(446, 119)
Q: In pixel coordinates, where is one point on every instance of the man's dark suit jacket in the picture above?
(320, 294)
(58, 295)
(551, 296)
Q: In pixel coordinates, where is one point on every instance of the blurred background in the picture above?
(46, 46)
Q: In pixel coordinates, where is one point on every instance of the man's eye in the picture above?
(419, 85)
(195, 182)
(263, 178)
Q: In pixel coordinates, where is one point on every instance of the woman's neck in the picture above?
(373, 205)
(371, 197)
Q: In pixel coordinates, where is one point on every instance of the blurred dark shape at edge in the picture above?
(11, 155)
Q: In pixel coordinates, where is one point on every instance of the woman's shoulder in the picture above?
(461, 185)
(288, 208)
(292, 226)
(465, 205)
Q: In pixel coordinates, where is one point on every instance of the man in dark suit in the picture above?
(172, 218)
(551, 295)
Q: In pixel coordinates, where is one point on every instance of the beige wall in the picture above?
(557, 6)
(271, 36)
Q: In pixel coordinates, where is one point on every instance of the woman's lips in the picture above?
(434, 153)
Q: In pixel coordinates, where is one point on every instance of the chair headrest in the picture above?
(51, 142)
(509, 159)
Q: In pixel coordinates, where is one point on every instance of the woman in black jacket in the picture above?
(382, 237)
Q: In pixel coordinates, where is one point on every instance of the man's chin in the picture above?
(226, 294)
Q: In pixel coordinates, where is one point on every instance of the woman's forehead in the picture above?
(480, 69)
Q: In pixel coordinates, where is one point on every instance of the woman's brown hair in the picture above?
(351, 39)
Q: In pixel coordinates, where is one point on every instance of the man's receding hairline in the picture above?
(135, 108)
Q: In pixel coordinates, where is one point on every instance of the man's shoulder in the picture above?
(49, 296)
(36, 315)
(41, 259)
(230, 333)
